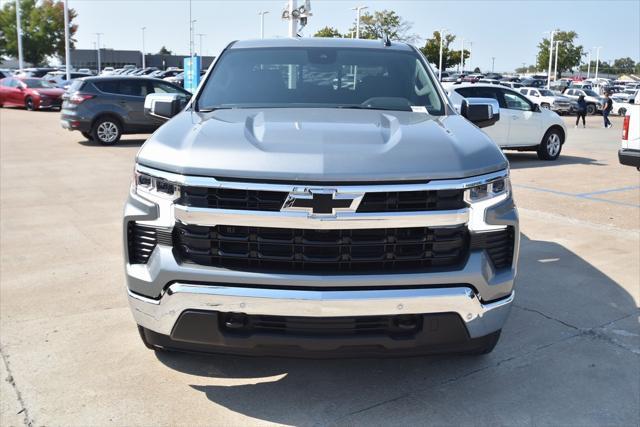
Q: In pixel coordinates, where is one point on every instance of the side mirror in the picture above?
(536, 108)
(482, 112)
(164, 105)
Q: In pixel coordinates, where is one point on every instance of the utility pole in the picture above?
(190, 33)
(19, 34)
(589, 65)
(462, 56)
(98, 50)
(200, 36)
(493, 63)
(358, 9)
(553, 32)
(144, 61)
(67, 53)
(293, 19)
(555, 67)
(193, 37)
(597, 48)
(440, 63)
(262, 13)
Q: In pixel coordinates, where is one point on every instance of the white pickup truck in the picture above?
(629, 153)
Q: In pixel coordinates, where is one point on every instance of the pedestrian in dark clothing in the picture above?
(606, 110)
(581, 111)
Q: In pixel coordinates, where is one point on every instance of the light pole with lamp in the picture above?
(442, 32)
(358, 9)
(144, 62)
(262, 13)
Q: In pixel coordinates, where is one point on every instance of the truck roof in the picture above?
(318, 42)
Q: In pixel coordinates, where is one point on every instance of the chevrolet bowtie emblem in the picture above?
(321, 201)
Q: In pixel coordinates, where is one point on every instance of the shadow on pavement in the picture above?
(121, 144)
(558, 295)
(519, 160)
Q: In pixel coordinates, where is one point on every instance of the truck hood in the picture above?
(314, 144)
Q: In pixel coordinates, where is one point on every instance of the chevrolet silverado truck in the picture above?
(320, 197)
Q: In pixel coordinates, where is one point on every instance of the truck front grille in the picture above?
(323, 251)
(262, 200)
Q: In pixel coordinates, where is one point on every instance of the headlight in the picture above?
(152, 184)
(488, 191)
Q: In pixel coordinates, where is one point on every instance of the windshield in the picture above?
(590, 92)
(321, 78)
(37, 83)
(545, 92)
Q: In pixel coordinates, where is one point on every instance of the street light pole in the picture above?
(589, 65)
(262, 13)
(462, 56)
(144, 61)
(442, 32)
(190, 32)
(193, 37)
(597, 48)
(553, 32)
(19, 34)
(493, 63)
(98, 50)
(67, 53)
(293, 20)
(200, 36)
(358, 9)
(555, 66)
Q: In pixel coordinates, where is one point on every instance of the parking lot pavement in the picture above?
(569, 353)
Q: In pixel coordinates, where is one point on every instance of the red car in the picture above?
(31, 93)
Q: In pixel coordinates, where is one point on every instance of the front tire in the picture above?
(545, 106)
(622, 111)
(551, 145)
(591, 109)
(29, 104)
(107, 131)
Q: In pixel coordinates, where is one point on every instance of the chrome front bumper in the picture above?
(161, 315)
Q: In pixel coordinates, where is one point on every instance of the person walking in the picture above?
(581, 111)
(606, 110)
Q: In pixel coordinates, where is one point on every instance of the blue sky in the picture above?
(508, 30)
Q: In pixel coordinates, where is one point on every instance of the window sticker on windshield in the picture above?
(419, 109)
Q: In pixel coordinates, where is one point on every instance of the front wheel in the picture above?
(591, 109)
(106, 131)
(545, 106)
(550, 146)
(622, 111)
(29, 104)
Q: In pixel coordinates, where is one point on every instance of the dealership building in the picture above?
(88, 58)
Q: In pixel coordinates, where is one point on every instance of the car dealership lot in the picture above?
(569, 353)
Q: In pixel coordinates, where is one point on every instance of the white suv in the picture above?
(523, 125)
(547, 99)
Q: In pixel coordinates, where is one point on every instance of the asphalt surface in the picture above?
(569, 354)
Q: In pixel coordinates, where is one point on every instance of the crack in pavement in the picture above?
(11, 380)
(533, 310)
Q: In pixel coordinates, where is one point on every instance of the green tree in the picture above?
(381, 23)
(42, 29)
(327, 32)
(477, 70)
(450, 56)
(624, 65)
(569, 54)
(164, 51)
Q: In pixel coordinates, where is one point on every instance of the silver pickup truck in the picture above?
(320, 197)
